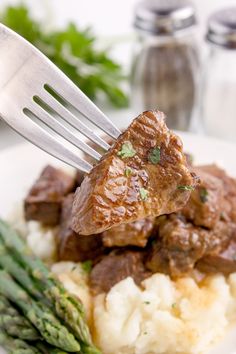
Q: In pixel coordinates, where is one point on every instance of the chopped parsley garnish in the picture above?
(203, 193)
(145, 333)
(154, 156)
(186, 188)
(143, 194)
(147, 302)
(126, 150)
(87, 266)
(128, 171)
(174, 305)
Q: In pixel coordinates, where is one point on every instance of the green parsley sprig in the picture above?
(128, 171)
(126, 150)
(143, 194)
(73, 51)
(186, 188)
(87, 266)
(154, 156)
(203, 194)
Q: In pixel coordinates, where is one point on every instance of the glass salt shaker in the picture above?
(165, 63)
(218, 92)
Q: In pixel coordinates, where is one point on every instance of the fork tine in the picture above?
(39, 137)
(26, 73)
(70, 118)
(65, 88)
(56, 126)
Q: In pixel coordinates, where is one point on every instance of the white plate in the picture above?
(21, 165)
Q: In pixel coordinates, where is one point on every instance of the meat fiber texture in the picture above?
(143, 175)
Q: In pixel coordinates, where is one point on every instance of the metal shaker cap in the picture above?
(164, 17)
(222, 28)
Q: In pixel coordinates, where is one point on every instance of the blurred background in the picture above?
(130, 56)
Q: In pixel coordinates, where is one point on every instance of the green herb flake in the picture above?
(174, 305)
(87, 266)
(203, 193)
(154, 156)
(143, 194)
(145, 333)
(186, 188)
(147, 302)
(128, 171)
(126, 150)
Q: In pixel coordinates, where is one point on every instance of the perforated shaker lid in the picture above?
(164, 17)
(222, 28)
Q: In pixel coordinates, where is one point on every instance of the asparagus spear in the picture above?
(12, 267)
(8, 263)
(16, 346)
(66, 306)
(47, 349)
(38, 314)
(14, 324)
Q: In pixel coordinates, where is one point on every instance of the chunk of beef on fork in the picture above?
(144, 174)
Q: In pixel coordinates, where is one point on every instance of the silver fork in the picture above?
(30, 86)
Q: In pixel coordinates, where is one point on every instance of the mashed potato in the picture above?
(41, 240)
(164, 317)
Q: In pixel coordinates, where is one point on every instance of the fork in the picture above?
(31, 86)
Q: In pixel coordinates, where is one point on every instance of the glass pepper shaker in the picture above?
(218, 88)
(165, 62)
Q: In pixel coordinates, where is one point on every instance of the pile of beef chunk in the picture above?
(203, 233)
(197, 230)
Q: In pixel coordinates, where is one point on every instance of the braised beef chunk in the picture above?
(205, 203)
(229, 189)
(144, 174)
(115, 267)
(224, 262)
(43, 203)
(135, 233)
(181, 244)
(74, 247)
